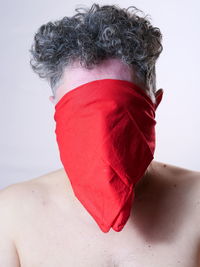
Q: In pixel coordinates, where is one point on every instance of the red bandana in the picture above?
(105, 130)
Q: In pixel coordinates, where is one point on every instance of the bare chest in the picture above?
(52, 238)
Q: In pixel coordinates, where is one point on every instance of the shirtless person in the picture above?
(42, 223)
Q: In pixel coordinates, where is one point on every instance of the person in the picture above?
(42, 221)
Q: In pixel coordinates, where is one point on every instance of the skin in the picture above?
(76, 75)
(43, 223)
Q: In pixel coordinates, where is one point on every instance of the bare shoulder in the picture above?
(25, 199)
(175, 168)
(18, 202)
(18, 196)
(185, 181)
(178, 172)
(18, 192)
(184, 177)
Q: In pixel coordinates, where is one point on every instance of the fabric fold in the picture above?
(105, 131)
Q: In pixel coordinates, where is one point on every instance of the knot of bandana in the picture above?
(105, 130)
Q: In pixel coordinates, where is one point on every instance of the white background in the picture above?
(28, 145)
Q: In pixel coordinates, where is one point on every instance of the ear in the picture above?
(51, 98)
(159, 95)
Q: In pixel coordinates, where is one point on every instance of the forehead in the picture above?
(75, 74)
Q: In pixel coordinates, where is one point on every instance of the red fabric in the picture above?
(105, 130)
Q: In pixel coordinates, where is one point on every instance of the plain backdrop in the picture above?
(28, 145)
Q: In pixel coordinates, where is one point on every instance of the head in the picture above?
(98, 42)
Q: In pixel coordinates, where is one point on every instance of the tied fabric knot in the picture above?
(105, 131)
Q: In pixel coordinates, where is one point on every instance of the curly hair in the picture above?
(97, 33)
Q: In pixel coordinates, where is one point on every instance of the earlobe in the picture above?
(51, 98)
(159, 95)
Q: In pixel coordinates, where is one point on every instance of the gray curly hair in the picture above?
(97, 33)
